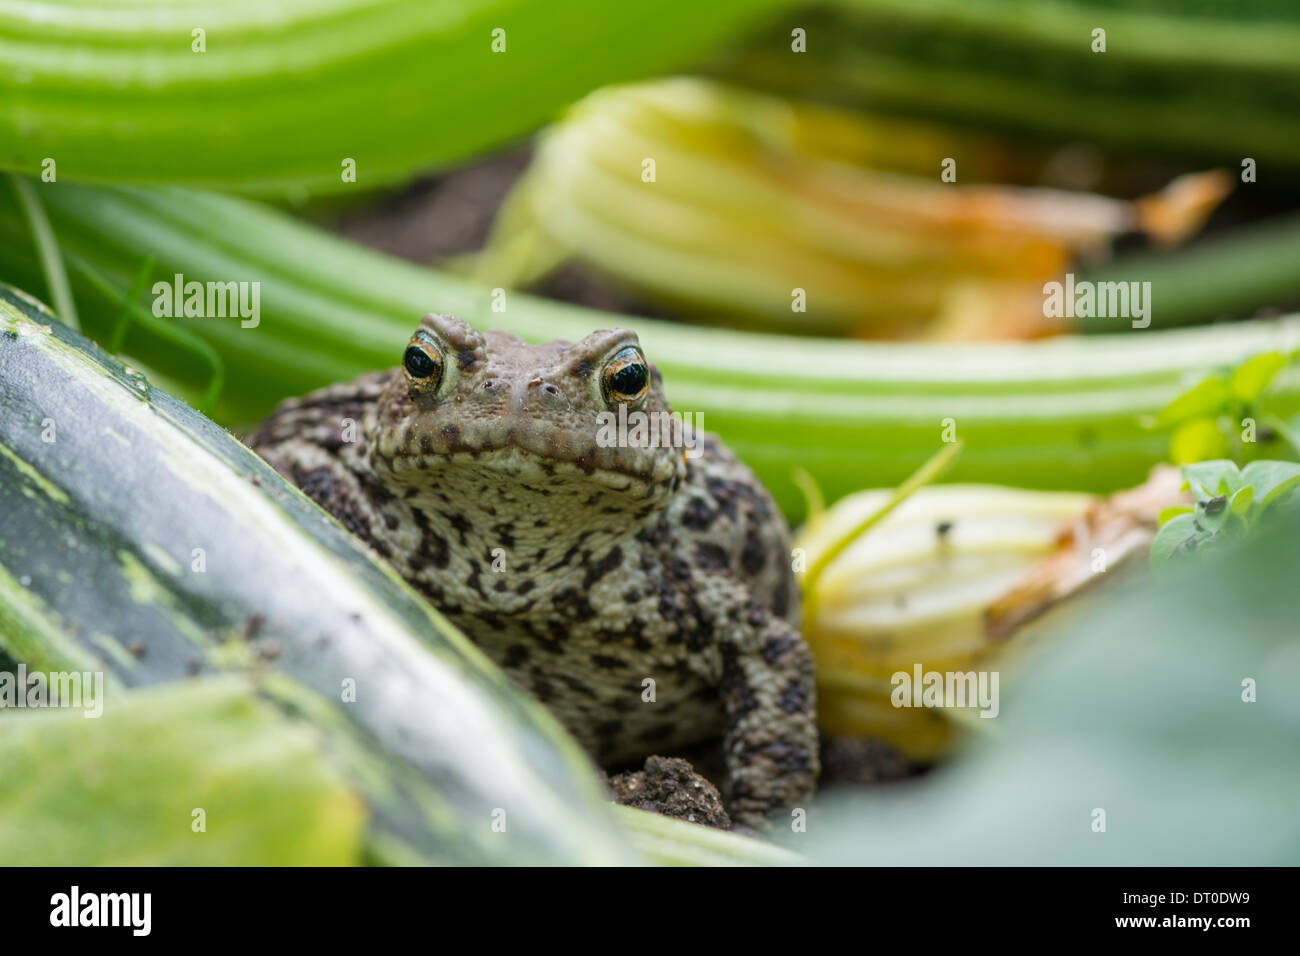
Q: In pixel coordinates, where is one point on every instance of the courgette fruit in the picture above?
(1059, 414)
(139, 539)
(1193, 80)
(279, 97)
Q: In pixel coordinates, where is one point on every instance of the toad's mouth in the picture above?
(536, 460)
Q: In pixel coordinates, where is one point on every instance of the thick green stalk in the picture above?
(261, 97)
(1192, 80)
(1057, 414)
(1230, 273)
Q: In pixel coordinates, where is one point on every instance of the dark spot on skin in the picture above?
(777, 647)
(524, 587)
(565, 561)
(432, 550)
(465, 360)
(541, 688)
(942, 528)
(794, 699)
(612, 560)
(575, 686)
(710, 557)
(754, 556)
(374, 490)
(606, 663)
(516, 656)
(571, 604)
(461, 525)
(787, 756)
(781, 599)
(697, 515)
(451, 435)
(583, 368)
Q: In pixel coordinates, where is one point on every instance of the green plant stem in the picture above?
(278, 98)
(1227, 274)
(47, 248)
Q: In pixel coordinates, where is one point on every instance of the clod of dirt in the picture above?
(670, 785)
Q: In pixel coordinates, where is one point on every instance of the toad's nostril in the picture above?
(550, 390)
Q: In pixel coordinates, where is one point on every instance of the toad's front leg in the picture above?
(770, 742)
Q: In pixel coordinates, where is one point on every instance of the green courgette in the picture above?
(140, 540)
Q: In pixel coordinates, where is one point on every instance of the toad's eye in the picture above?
(423, 362)
(626, 377)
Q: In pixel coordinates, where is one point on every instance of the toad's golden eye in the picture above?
(423, 361)
(626, 377)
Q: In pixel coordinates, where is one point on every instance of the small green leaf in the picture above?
(1206, 479)
(1272, 480)
(1241, 500)
(1197, 440)
(1208, 397)
(1173, 511)
(1253, 375)
(1171, 537)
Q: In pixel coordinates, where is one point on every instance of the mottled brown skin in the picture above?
(582, 570)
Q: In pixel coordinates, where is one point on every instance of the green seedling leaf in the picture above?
(1272, 480)
(1241, 499)
(1173, 511)
(1252, 376)
(1207, 479)
(1172, 536)
(1205, 399)
(1213, 513)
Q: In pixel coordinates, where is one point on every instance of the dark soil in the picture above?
(670, 785)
